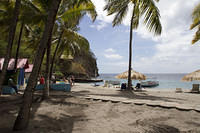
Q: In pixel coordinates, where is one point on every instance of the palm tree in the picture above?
(146, 8)
(27, 9)
(70, 12)
(18, 45)
(24, 113)
(68, 21)
(11, 36)
(196, 23)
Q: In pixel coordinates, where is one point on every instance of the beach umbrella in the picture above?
(134, 75)
(192, 76)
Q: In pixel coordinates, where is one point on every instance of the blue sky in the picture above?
(172, 52)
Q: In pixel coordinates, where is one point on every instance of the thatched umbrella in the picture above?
(192, 76)
(134, 75)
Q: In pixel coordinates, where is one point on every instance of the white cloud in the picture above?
(110, 50)
(99, 26)
(110, 53)
(102, 15)
(173, 49)
(113, 56)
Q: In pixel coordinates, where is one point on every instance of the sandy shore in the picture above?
(89, 109)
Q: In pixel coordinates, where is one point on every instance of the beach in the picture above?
(89, 109)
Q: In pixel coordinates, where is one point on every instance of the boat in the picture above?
(149, 83)
(85, 80)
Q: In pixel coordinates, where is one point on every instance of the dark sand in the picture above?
(65, 114)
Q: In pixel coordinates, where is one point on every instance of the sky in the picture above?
(172, 52)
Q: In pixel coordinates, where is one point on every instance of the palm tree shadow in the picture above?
(10, 107)
(130, 95)
(65, 123)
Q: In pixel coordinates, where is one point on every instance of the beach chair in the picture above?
(105, 84)
(195, 88)
(61, 87)
(178, 90)
(123, 86)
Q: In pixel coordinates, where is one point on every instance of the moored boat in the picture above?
(149, 83)
(84, 80)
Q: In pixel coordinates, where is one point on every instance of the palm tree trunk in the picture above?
(47, 73)
(54, 55)
(10, 42)
(130, 54)
(24, 113)
(18, 45)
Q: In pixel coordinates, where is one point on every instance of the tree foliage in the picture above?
(196, 23)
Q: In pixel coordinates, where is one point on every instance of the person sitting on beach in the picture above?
(65, 80)
(73, 80)
(12, 84)
(70, 81)
(53, 78)
(138, 86)
(123, 86)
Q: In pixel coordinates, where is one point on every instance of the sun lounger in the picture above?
(39, 87)
(195, 88)
(178, 90)
(60, 87)
(110, 83)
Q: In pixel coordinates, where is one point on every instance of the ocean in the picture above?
(166, 81)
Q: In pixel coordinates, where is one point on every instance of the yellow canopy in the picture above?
(134, 75)
(192, 76)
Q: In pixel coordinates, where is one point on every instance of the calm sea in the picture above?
(166, 81)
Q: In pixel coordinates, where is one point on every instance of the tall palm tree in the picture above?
(196, 23)
(26, 9)
(11, 36)
(146, 8)
(68, 21)
(70, 12)
(24, 113)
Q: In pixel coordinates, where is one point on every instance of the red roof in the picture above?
(21, 63)
(29, 69)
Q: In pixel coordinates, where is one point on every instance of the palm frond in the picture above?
(77, 39)
(119, 8)
(152, 16)
(136, 15)
(78, 11)
(196, 36)
(195, 17)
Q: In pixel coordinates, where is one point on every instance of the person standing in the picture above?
(12, 84)
(42, 81)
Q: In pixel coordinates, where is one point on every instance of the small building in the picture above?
(18, 76)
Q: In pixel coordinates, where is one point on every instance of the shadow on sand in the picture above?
(129, 95)
(40, 122)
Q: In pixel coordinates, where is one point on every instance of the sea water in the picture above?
(166, 81)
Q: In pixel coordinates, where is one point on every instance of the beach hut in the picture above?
(22, 64)
(134, 75)
(28, 72)
(191, 77)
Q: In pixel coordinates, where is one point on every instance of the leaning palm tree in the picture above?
(196, 23)
(12, 29)
(141, 8)
(24, 113)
